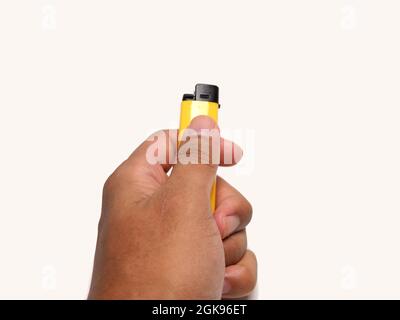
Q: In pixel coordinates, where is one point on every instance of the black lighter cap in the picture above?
(204, 92)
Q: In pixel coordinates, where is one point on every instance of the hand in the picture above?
(157, 238)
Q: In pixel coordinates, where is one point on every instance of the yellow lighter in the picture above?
(204, 101)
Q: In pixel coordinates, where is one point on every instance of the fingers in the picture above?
(159, 152)
(241, 278)
(230, 153)
(233, 211)
(235, 247)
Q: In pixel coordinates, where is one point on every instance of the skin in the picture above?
(157, 237)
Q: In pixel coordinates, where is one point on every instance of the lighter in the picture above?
(204, 101)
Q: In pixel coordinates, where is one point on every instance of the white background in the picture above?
(83, 82)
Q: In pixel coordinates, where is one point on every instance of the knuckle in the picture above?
(108, 184)
(117, 177)
(250, 280)
(244, 239)
(248, 208)
(240, 241)
(249, 272)
(235, 247)
(112, 180)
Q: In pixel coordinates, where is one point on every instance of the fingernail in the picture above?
(202, 122)
(231, 223)
(237, 153)
(227, 287)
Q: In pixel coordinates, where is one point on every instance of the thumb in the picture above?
(198, 157)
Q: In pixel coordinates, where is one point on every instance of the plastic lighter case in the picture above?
(204, 101)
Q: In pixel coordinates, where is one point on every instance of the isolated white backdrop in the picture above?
(83, 82)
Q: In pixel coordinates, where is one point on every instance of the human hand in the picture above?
(157, 238)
